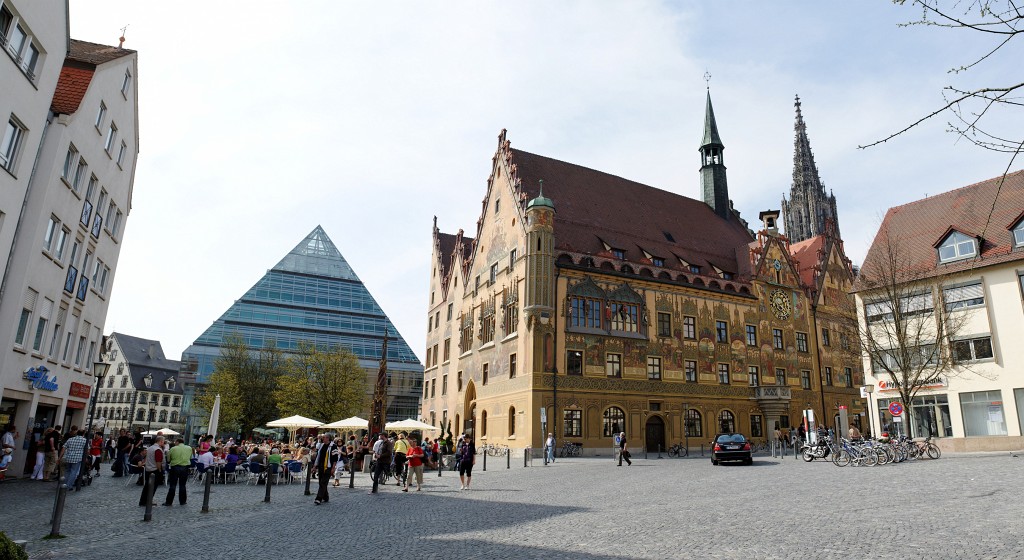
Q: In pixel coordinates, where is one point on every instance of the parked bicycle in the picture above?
(571, 449)
(678, 450)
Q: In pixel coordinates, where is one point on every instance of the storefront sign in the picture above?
(892, 386)
(80, 390)
(37, 376)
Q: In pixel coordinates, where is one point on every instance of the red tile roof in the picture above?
(592, 207)
(71, 88)
(805, 256)
(988, 209)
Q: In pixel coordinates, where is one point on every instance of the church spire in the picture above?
(713, 185)
(808, 208)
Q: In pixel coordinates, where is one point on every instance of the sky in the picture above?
(261, 120)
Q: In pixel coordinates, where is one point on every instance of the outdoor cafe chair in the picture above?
(229, 469)
(294, 471)
(255, 469)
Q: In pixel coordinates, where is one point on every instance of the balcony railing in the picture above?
(770, 393)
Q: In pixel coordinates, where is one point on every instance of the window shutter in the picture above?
(30, 299)
(47, 309)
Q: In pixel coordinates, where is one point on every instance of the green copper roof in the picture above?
(711, 136)
(541, 200)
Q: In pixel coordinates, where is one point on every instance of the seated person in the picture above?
(206, 459)
(232, 456)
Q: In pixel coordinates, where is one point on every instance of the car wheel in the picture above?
(749, 461)
(714, 461)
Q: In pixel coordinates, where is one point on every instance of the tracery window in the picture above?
(466, 338)
(511, 306)
(487, 321)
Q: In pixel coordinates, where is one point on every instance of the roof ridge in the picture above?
(958, 189)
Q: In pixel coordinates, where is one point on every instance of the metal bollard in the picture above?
(58, 509)
(485, 461)
(702, 450)
(351, 473)
(545, 456)
(150, 488)
(659, 451)
(440, 459)
(645, 450)
(309, 475)
(206, 491)
(508, 458)
(269, 482)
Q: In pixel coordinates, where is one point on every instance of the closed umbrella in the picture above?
(214, 417)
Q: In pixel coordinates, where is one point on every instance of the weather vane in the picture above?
(121, 38)
(707, 78)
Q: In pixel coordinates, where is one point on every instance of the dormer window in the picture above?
(658, 261)
(618, 253)
(148, 381)
(1018, 235)
(694, 269)
(169, 383)
(957, 246)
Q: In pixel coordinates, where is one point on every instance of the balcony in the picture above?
(772, 393)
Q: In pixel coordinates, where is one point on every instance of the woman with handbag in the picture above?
(467, 458)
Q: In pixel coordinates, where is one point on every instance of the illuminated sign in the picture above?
(39, 380)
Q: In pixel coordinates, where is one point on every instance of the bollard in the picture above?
(440, 459)
(659, 451)
(271, 470)
(150, 488)
(352, 473)
(508, 458)
(309, 475)
(526, 451)
(702, 450)
(545, 456)
(485, 461)
(645, 450)
(58, 509)
(206, 491)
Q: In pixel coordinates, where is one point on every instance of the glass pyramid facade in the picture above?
(313, 295)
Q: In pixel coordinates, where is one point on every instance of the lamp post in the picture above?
(99, 369)
(869, 389)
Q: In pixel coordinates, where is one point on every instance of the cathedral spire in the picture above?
(714, 188)
(808, 208)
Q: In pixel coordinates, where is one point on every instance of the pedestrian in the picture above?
(51, 443)
(151, 466)
(624, 449)
(180, 459)
(382, 452)
(71, 457)
(401, 450)
(96, 451)
(123, 450)
(467, 458)
(322, 466)
(415, 457)
(549, 447)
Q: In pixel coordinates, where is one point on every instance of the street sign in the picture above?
(895, 408)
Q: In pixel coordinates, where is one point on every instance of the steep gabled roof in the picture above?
(594, 208)
(983, 207)
(77, 71)
(136, 352)
(807, 255)
(95, 53)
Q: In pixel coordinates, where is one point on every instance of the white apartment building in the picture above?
(972, 241)
(76, 163)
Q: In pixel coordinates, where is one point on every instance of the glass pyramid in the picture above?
(313, 295)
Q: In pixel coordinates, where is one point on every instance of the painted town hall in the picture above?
(559, 316)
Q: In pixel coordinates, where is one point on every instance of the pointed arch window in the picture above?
(727, 422)
(957, 246)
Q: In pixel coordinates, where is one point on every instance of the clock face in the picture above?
(778, 300)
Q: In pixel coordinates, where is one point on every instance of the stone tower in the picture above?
(808, 208)
(539, 307)
(713, 186)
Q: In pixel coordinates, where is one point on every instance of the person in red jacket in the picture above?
(96, 451)
(414, 456)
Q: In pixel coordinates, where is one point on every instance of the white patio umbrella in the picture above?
(293, 423)
(353, 423)
(162, 431)
(214, 417)
(411, 425)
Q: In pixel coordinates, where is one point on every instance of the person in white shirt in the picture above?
(206, 459)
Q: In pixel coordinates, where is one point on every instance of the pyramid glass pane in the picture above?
(313, 295)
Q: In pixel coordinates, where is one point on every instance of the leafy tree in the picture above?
(225, 384)
(325, 384)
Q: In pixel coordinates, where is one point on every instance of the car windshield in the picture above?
(731, 438)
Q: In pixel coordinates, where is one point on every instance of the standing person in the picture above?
(401, 449)
(51, 442)
(624, 449)
(382, 459)
(96, 450)
(180, 459)
(467, 458)
(71, 457)
(549, 447)
(153, 464)
(7, 445)
(415, 457)
(855, 434)
(122, 448)
(322, 466)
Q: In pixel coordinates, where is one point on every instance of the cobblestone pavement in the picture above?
(587, 508)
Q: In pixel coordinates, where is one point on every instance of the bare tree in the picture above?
(908, 333)
(975, 112)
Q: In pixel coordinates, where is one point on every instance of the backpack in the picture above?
(385, 451)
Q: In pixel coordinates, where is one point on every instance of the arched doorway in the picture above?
(655, 434)
(469, 423)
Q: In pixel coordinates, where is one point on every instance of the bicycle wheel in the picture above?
(673, 451)
(933, 451)
(841, 458)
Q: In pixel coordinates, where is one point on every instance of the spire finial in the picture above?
(707, 78)
(120, 39)
(541, 183)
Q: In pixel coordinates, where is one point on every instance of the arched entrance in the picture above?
(470, 407)
(655, 432)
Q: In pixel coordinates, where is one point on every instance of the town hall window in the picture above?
(690, 328)
(613, 365)
(664, 324)
(721, 331)
(574, 362)
(751, 335)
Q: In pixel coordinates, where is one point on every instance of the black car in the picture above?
(731, 447)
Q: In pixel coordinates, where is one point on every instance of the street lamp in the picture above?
(99, 369)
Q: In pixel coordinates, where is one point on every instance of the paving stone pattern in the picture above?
(581, 508)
